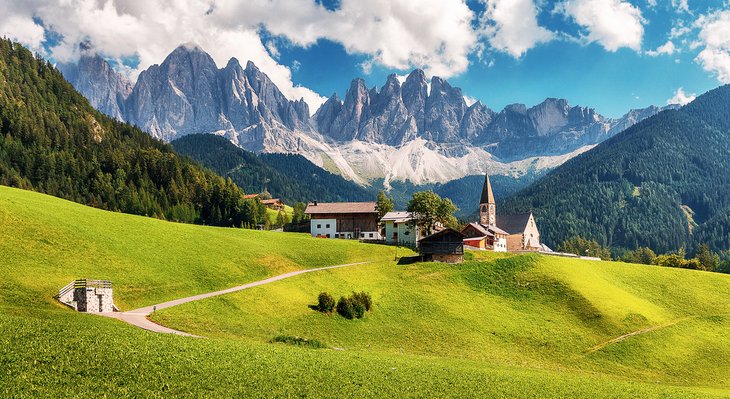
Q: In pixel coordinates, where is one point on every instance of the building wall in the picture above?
(94, 300)
(447, 258)
(500, 244)
(515, 242)
(531, 232)
(407, 233)
(324, 227)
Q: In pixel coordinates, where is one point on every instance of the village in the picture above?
(491, 232)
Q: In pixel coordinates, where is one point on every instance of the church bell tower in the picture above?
(487, 206)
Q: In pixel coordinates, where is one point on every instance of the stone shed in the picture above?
(92, 296)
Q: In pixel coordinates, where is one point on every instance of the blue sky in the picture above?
(585, 74)
(612, 55)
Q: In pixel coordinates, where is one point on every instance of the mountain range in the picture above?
(663, 183)
(415, 129)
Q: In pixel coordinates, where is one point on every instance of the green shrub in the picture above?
(359, 309)
(345, 308)
(299, 341)
(325, 303)
(364, 299)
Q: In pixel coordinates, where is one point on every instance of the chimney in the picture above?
(315, 203)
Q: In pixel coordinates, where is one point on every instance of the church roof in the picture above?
(487, 195)
(513, 224)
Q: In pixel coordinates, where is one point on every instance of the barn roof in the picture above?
(513, 224)
(340, 207)
(398, 217)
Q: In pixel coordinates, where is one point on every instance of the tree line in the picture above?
(53, 141)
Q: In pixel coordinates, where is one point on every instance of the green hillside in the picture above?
(663, 183)
(289, 177)
(53, 141)
(494, 327)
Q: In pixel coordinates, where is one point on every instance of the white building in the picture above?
(401, 228)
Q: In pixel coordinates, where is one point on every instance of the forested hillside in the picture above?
(290, 177)
(663, 183)
(53, 141)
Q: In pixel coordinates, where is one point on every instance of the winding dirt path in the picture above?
(138, 317)
(638, 332)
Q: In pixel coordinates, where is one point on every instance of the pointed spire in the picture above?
(487, 195)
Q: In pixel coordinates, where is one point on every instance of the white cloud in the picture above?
(612, 23)
(681, 5)
(651, 3)
(681, 98)
(715, 37)
(436, 36)
(511, 26)
(667, 48)
(23, 30)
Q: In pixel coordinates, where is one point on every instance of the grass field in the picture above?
(494, 327)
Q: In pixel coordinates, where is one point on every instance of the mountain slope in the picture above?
(409, 131)
(663, 183)
(289, 177)
(53, 141)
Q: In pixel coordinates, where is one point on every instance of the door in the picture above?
(101, 302)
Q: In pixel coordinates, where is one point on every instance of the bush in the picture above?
(299, 341)
(345, 308)
(359, 309)
(325, 303)
(364, 299)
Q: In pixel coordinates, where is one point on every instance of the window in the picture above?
(406, 233)
(328, 236)
(362, 235)
(337, 235)
(328, 226)
(371, 235)
(319, 226)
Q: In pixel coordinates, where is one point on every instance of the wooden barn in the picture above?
(348, 220)
(445, 246)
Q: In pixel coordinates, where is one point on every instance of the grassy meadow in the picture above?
(496, 326)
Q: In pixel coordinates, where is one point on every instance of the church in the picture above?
(501, 233)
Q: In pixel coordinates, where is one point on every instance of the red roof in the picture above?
(249, 196)
(340, 207)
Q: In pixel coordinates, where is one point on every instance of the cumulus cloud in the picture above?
(612, 23)
(667, 48)
(436, 36)
(511, 26)
(715, 37)
(23, 30)
(681, 98)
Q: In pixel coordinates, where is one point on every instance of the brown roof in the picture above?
(513, 224)
(249, 196)
(271, 201)
(341, 207)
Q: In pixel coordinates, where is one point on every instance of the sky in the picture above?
(612, 55)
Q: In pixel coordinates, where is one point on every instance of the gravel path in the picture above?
(138, 317)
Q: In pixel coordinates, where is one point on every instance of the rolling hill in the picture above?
(519, 326)
(663, 183)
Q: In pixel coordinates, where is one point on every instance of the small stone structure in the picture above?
(91, 296)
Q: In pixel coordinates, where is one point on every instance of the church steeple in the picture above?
(487, 205)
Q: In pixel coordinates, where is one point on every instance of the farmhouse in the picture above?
(274, 203)
(501, 233)
(446, 246)
(401, 228)
(348, 220)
